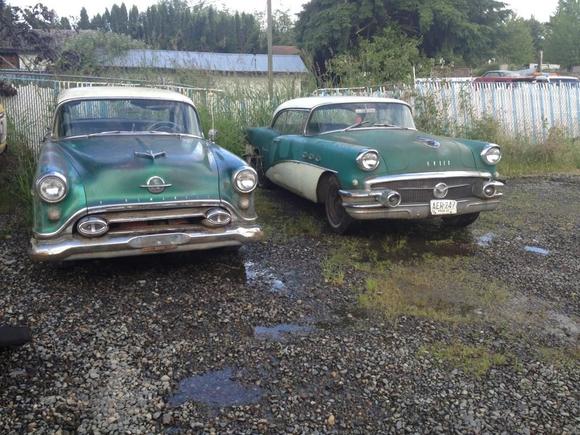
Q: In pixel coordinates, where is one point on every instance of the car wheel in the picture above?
(255, 161)
(337, 217)
(461, 220)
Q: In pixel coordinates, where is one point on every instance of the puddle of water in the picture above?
(255, 273)
(536, 250)
(485, 240)
(216, 389)
(279, 332)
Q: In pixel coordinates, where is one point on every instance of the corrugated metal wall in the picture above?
(525, 110)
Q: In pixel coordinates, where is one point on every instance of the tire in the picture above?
(337, 217)
(460, 221)
(255, 161)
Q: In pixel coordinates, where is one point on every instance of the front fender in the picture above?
(228, 163)
(50, 219)
(340, 158)
(476, 147)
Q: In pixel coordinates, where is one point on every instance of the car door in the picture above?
(284, 160)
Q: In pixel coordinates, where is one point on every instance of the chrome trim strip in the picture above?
(304, 163)
(424, 176)
(154, 205)
(147, 186)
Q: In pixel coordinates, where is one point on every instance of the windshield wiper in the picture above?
(101, 133)
(358, 124)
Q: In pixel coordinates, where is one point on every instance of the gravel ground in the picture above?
(259, 341)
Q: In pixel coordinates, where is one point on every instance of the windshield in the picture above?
(343, 116)
(110, 116)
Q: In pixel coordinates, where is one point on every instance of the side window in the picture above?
(280, 122)
(291, 122)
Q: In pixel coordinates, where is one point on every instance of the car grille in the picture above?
(421, 191)
(153, 221)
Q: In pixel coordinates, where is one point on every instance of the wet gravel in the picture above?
(257, 342)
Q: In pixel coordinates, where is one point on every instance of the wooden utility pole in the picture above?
(270, 61)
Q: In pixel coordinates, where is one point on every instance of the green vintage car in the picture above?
(127, 171)
(363, 158)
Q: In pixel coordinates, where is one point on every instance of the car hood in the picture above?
(113, 168)
(410, 150)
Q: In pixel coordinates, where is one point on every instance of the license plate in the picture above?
(443, 206)
(158, 242)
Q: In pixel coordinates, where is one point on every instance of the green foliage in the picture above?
(455, 30)
(20, 175)
(562, 45)
(517, 45)
(387, 58)
(83, 53)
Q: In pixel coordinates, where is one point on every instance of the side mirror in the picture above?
(212, 134)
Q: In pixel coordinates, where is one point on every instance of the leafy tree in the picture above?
(283, 28)
(84, 22)
(517, 44)
(454, 29)
(83, 54)
(538, 31)
(388, 57)
(64, 23)
(16, 29)
(562, 43)
(135, 26)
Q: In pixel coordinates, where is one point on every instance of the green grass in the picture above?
(474, 360)
(562, 358)
(281, 224)
(18, 166)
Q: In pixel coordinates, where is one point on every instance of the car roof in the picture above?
(310, 103)
(116, 92)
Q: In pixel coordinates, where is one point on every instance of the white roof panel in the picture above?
(310, 103)
(104, 92)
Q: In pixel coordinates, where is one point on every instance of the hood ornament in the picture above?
(150, 154)
(429, 142)
(156, 185)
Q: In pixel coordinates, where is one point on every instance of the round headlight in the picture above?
(368, 160)
(245, 180)
(491, 154)
(52, 187)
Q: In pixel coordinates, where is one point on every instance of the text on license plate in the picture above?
(443, 206)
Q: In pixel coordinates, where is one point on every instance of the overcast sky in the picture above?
(541, 9)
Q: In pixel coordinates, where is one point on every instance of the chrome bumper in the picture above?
(364, 205)
(74, 247)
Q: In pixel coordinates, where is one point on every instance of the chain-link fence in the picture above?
(30, 110)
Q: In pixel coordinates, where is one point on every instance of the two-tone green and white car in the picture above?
(364, 159)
